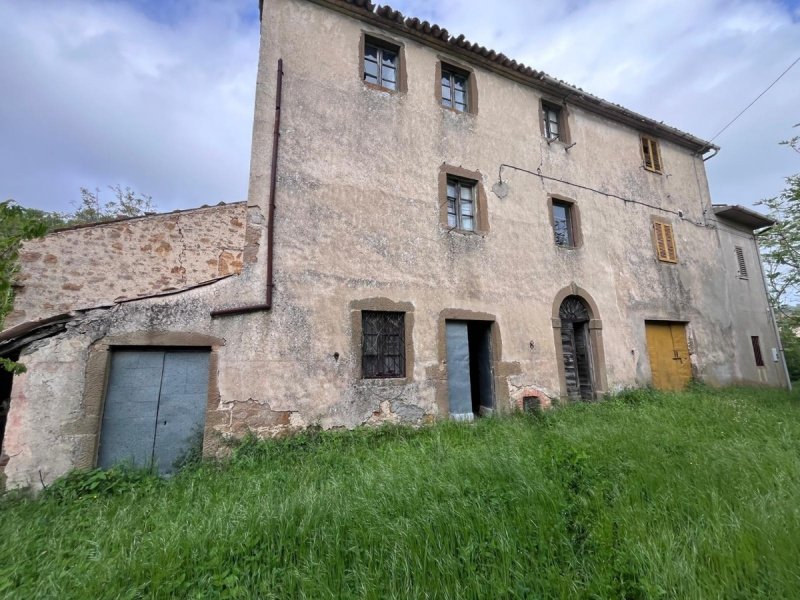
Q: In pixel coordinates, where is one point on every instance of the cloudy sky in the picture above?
(158, 94)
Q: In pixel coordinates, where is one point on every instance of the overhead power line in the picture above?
(756, 100)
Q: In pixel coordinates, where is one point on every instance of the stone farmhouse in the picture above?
(433, 230)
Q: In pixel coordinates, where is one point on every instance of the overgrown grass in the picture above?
(650, 495)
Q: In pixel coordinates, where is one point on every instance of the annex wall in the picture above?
(96, 264)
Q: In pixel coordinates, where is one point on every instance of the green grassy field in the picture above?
(650, 495)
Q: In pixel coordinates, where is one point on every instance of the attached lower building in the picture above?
(433, 230)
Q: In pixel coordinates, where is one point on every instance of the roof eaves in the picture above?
(742, 215)
(434, 35)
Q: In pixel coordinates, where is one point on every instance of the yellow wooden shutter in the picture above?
(655, 155)
(669, 240)
(665, 242)
(650, 154)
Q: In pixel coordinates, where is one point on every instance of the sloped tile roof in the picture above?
(433, 35)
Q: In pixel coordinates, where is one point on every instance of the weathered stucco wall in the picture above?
(358, 225)
(96, 264)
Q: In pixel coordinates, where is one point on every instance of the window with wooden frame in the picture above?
(651, 155)
(381, 63)
(665, 242)
(740, 262)
(552, 115)
(757, 351)
(383, 345)
(563, 224)
(461, 202)
(455, 88)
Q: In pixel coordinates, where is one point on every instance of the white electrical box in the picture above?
(775, 355)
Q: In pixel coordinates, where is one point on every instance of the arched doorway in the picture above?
(576, 348)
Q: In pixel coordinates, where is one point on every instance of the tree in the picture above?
(780, 244)
(780, 251)
(92, 209)
(16, 225)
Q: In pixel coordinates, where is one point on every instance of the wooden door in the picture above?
(669, 355)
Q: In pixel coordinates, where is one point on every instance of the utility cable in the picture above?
(756, 100)
(678, 213)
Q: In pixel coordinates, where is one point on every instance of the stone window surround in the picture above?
(381, 39)
(599, 379)
(575, 220)
(98, 364)
(481, 216)
(564, 136)
(381, 305)
(472, 84)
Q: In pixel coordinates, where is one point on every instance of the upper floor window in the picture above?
(759, 358)
(551, 114)
(455, 92)
(383, 344)
(740, 262)
(665, 242)
(563, 226)
(461, 204)
(381, 63)
(651, 156)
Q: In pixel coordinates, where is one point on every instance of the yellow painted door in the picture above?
(669, 355)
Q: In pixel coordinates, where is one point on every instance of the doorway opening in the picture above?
(470, 378)
(6, 383)
(576, 349)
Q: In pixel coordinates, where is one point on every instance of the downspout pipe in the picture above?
(276, 134)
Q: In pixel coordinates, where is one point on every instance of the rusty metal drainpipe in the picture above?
(276, 134)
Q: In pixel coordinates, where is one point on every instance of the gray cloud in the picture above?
(101, 92)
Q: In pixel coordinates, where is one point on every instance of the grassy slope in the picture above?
(678, 496)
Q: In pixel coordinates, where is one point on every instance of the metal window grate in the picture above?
(757, 351)
(383, 352)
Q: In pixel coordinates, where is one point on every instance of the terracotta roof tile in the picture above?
(394, 19)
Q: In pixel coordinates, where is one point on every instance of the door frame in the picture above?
(98, 366)
(499, 369)
(597, 357)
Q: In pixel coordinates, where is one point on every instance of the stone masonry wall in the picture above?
(97, 264)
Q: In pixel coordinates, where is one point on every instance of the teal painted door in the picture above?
(155, 407)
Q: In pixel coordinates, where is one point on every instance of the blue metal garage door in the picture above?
(155, 407)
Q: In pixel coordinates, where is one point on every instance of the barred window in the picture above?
(383, 344)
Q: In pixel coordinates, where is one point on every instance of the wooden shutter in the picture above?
(650, 154)
(665, 242)
(741, 263)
